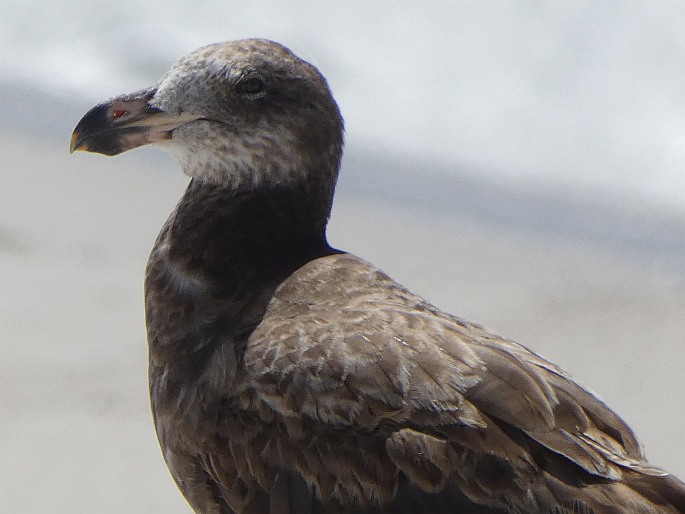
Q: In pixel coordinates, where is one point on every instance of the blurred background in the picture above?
(518, 164)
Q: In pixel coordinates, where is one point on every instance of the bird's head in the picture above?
(243, 113)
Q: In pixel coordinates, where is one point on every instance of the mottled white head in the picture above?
(241, 114)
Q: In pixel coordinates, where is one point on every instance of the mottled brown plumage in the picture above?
(287, 377)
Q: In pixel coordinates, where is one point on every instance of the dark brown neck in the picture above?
(231, 238)
(213, 271)
(209, 279)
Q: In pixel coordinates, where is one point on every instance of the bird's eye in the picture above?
(251, 86)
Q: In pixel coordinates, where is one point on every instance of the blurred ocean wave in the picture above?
(570, 94)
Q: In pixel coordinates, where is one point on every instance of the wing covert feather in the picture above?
(451, 398)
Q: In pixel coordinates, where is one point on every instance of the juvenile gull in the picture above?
(288, 377)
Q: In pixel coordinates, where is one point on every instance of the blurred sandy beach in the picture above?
(74, 235)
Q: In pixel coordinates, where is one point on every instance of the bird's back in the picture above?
(447, 405)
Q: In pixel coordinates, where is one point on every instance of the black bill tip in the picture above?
(96, 132)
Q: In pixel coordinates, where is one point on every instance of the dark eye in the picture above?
(251, 86)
